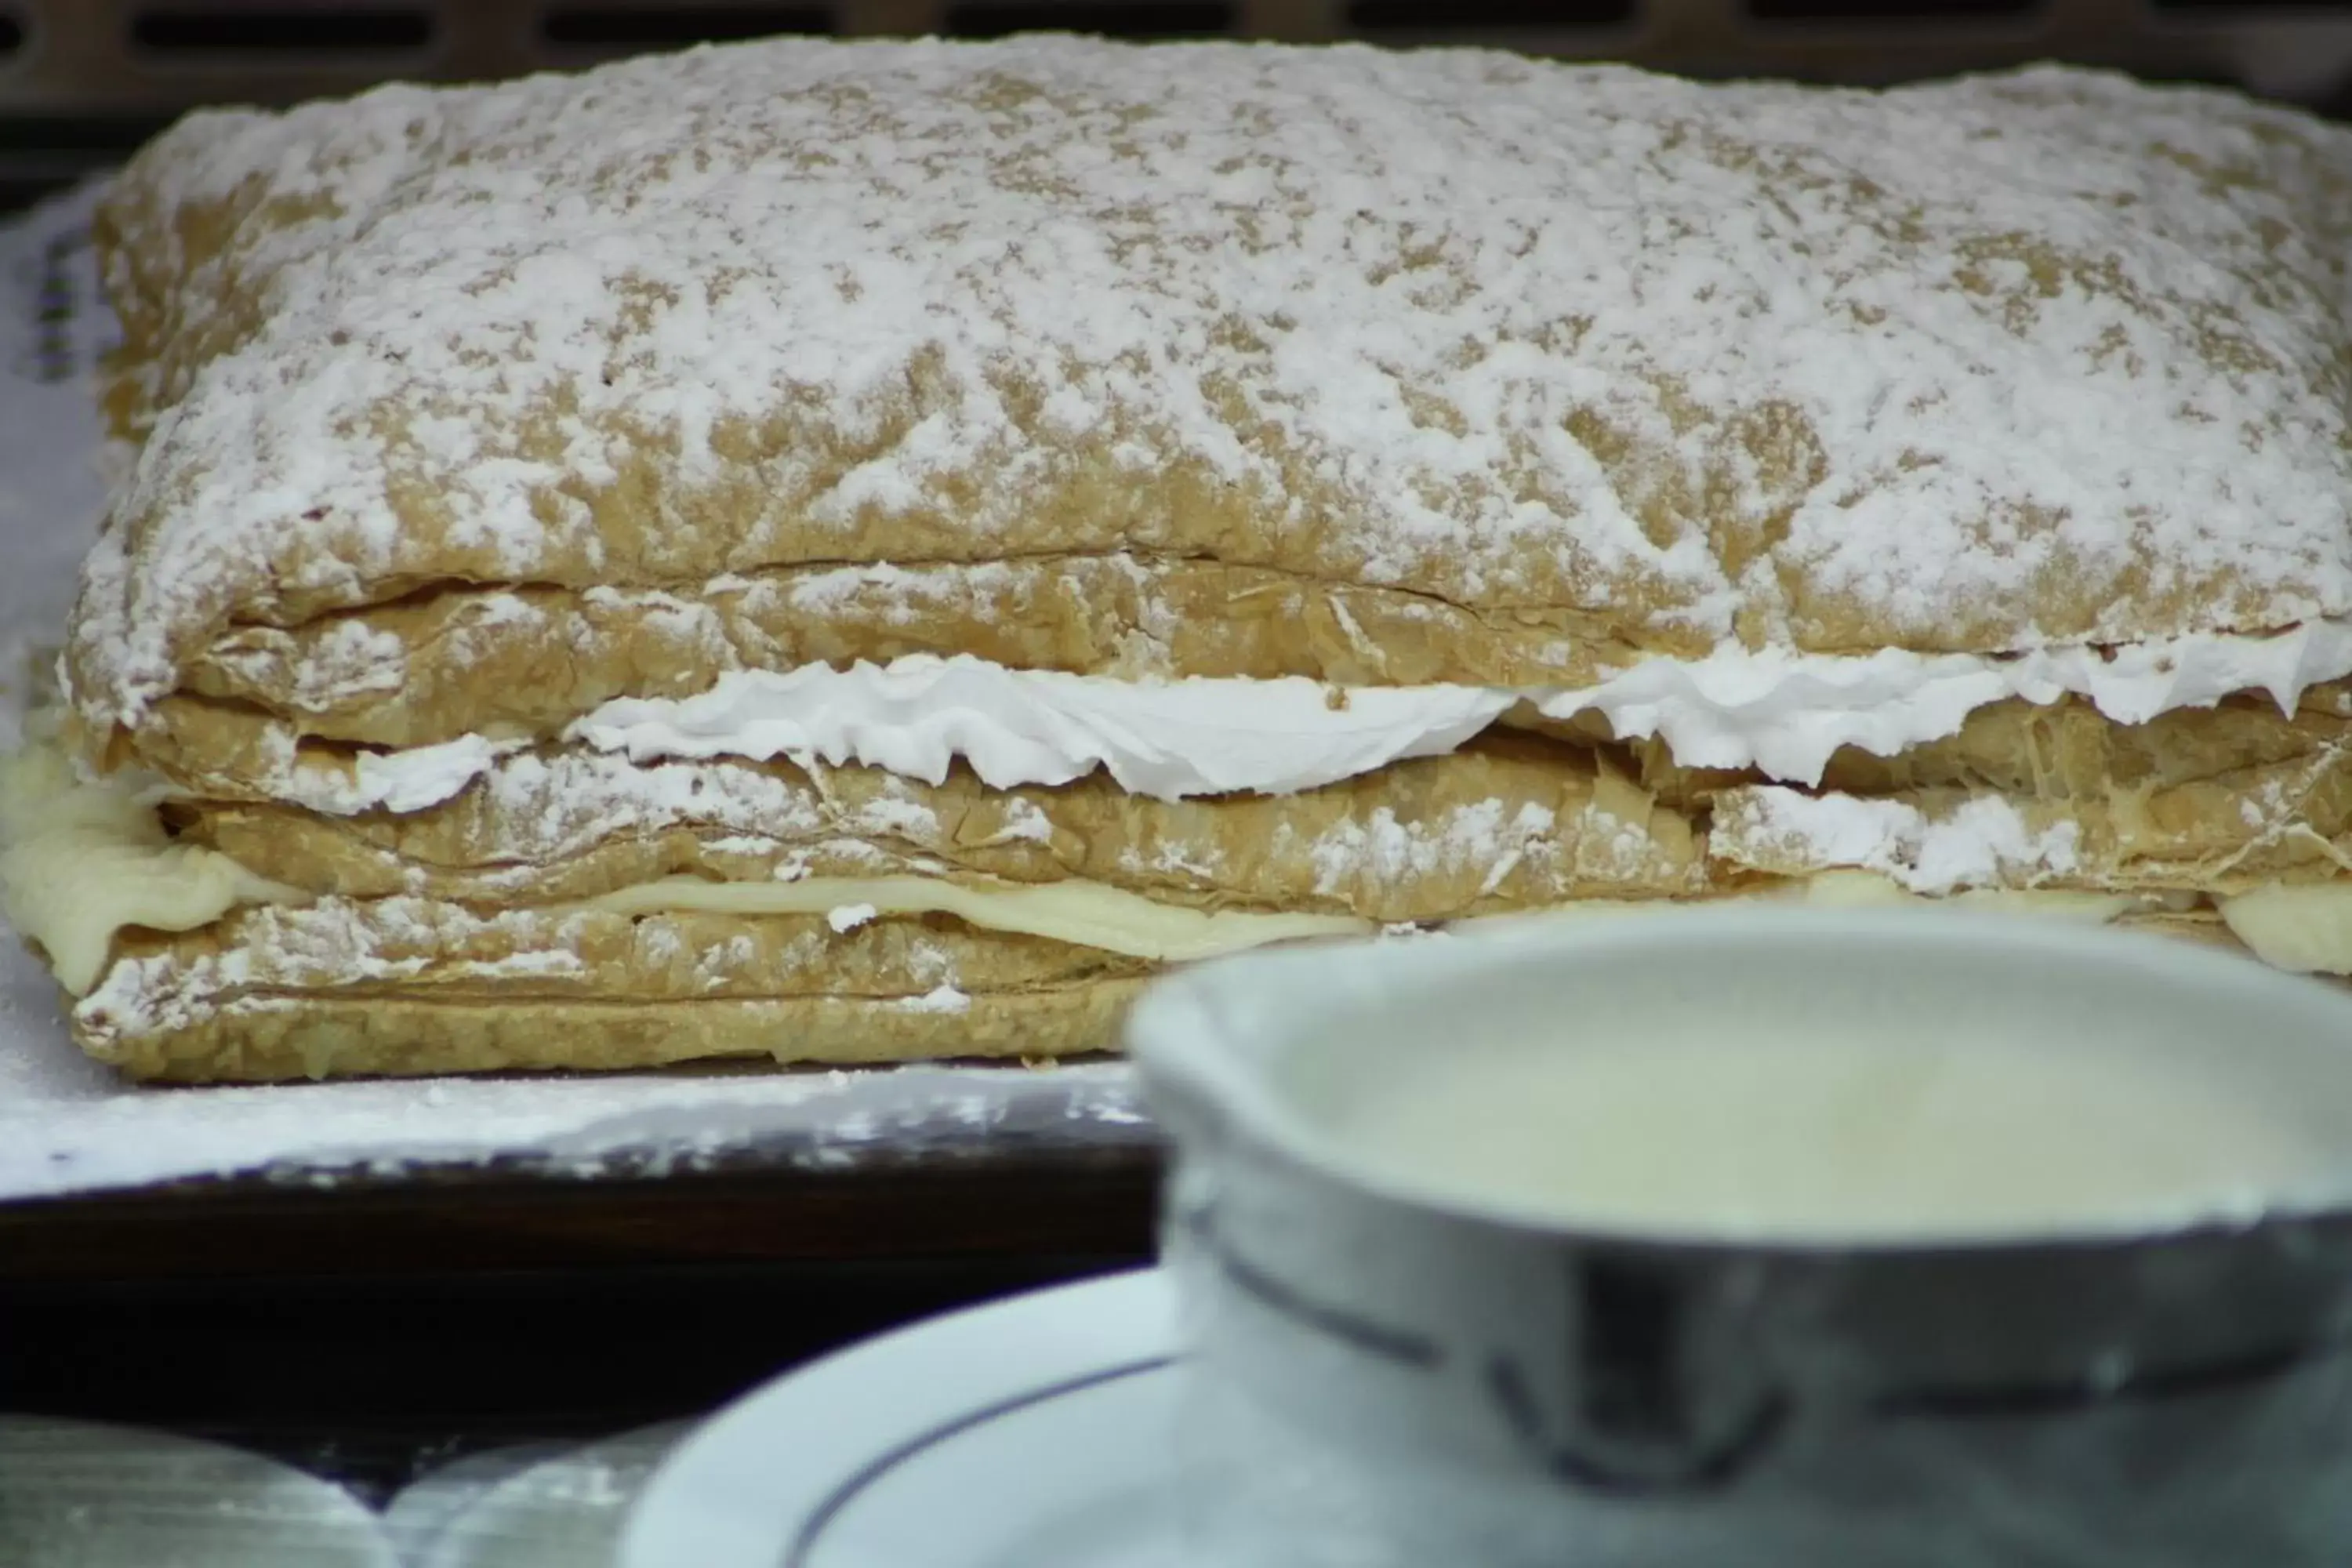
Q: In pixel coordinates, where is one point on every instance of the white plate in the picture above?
(528, 1507)
(421, 1511)
(1030, 1434)
(76, 1494)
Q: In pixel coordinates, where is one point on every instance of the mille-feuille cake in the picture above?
(860, 552)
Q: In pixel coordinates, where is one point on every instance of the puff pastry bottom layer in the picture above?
(267, 1036)
(404, 986)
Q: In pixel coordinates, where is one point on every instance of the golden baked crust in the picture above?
(268, 1039)
(407, 986)
(2214, 800)
(1495, 827)
(528, 660)
(461, 413)
(799, 303)
(2217, 800)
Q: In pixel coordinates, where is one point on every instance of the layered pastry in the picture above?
(858, 551)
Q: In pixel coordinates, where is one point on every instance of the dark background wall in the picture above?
(83, 80)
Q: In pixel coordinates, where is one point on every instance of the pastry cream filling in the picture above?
(79, 861)
(1086, 914)
(2303, 927)
(1869, 890)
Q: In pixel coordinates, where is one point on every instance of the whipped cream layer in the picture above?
(1783, 714)
(917, 715)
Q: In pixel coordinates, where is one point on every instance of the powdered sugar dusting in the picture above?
(1382, 849)
(1977, 365)
(561, 804)
(1982, 842)
(68, 1125)
(547, 806)
(1025, 822)
(942, 998)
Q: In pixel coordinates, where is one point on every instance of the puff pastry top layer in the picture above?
(1979, 366)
